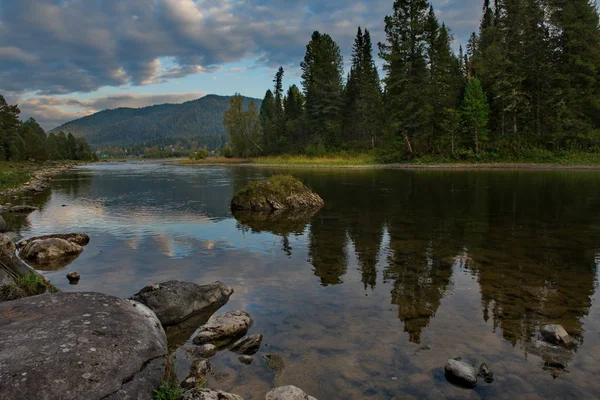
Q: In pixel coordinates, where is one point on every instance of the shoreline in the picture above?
(39, 179)
(399, 166)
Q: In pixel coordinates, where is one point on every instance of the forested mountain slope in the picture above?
(121, 127)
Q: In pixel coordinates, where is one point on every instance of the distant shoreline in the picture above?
(398, 166)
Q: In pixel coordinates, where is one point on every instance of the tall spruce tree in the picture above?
(403, 52)
(362, 95)
(322, 70)
(576, 82)
(279, 120)
(475, 113)
(267, 121)
(294, 119)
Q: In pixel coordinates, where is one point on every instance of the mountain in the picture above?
(201, 119)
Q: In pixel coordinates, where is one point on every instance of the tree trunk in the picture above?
(407, 140)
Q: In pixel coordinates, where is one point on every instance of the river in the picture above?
(368, 298)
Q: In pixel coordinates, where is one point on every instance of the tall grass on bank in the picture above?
(13, 174)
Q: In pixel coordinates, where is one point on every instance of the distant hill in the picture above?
(122, 127)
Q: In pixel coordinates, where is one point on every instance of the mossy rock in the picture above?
(278, 193)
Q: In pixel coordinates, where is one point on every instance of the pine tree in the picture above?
(475, 113)
(576, 81)
(362, 94)
(267, 121)
(294, 118)
(279, 118)
(322, 83)
(403, 52)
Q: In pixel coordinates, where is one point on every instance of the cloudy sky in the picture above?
(64, 59)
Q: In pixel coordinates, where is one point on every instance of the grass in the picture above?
(24, 286)
(277, 188)
(14, 174)
(167, 391)
(532, 156)
(302, 160)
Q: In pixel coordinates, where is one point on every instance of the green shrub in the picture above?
(167, 391)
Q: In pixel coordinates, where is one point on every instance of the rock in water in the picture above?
(53, 251)
(78, 238)
(555, 334)
(208, 394)
(176, 301)
(3, 225)
(80, 346)
(198, 374)
(288, 393)
(22, 209)
(248, 345)
(246, 359)
(205, 351)
(223, 329)
(276, 194)
(275, 363)
(8, 258)
(73, 278)
(486, 373)
(460, 373)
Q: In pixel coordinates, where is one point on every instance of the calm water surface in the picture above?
(369, 297)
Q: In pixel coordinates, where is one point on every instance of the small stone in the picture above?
(486, 373)
(73, 278)
(248, 345)
(205, 351)
(246, 359)
(460, 373)
(288, 393)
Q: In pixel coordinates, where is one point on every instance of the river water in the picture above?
(369, 297)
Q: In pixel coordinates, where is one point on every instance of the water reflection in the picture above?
(469, 262)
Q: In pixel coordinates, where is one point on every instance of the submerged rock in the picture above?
(460, 373)
(78, 238)
(176, 301)
(52, 252)
(288, 393)
(80, 346)
(486, 373)
(198, 374)
(208, 394)
(22, 209)
(276, 194)
(274, 362)
(246, 359)
(554, 356)
(555, 334)
(223, 329)
(248, 345)
(205, 351)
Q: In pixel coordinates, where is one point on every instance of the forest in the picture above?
(24, 141)
(527, 85)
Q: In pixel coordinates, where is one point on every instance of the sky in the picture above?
(65, 59)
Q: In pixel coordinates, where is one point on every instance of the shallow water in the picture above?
(369, 297)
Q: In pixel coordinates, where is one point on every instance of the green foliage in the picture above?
(20, 141)
(201, 154)
(277, 187)
(13, 175)
(475, 113)
(322, 70)
(226, 151)
(32, 285)
(168, 391)
(244, 128)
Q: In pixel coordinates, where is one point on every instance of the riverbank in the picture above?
(29, 177)
(350, 163)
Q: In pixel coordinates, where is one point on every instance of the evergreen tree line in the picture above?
(529, 80)
(20, 141)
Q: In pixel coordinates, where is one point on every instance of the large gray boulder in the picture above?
(288, 393)
(460, 373)
(79, 346)
(54, 253)
(176, 301)
(78, 238)
(208, 394)
(223, 329)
